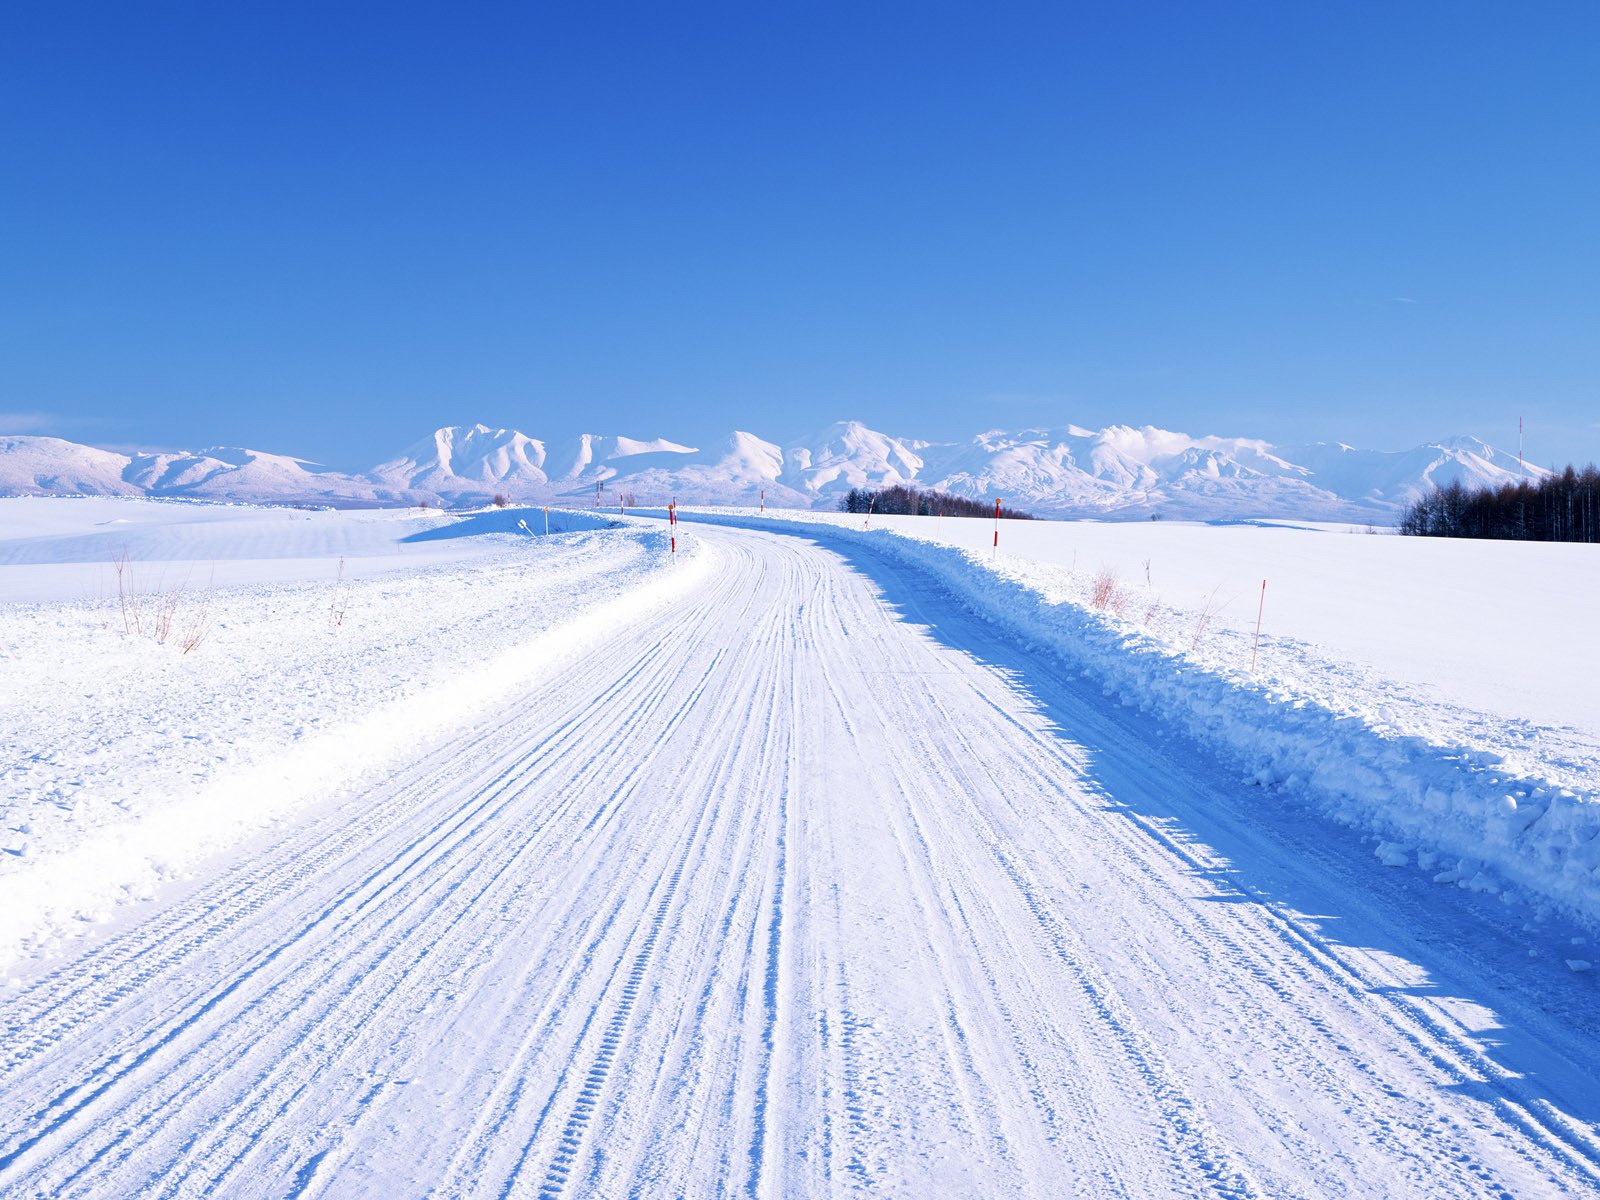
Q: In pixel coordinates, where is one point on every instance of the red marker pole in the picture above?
(870, 502)
(763, 499)
(996, 551)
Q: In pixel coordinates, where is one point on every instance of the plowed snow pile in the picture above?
(249, 660)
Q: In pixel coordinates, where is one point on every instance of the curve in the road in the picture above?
(821, 885)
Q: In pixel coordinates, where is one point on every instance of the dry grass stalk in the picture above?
(340, 603)
(163, 614)
(1104, 592)
(1207, 614)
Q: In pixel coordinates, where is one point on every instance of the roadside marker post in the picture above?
(763, 499)
(1260, 608)
(871, 500)
(996, 552)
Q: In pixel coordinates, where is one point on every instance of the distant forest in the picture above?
(912, 502)
(1558, 508)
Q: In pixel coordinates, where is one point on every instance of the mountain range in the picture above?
(1120, 471)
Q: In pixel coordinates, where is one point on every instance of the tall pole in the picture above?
(996, 552)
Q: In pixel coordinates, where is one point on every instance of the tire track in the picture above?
(819, 887)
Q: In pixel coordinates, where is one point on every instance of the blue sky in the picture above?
(325, 229)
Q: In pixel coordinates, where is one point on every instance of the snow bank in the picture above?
(128, 761)
(1466, 813)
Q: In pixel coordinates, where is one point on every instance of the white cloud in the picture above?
(26, 422)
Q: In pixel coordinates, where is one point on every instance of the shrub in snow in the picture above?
(164, 613)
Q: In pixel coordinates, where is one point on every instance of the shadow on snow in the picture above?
(1321, 876)
(506, 521)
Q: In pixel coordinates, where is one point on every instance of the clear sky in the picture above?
(326, 228)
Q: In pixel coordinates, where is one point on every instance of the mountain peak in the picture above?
(1121, 470)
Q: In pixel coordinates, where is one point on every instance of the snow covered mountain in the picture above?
(45, 466)
(1389, 478)
(1120, 471)
(848, 455)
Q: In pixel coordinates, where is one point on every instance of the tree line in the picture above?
(914, 502)
(1561, 507)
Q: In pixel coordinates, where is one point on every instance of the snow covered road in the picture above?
(820, 886)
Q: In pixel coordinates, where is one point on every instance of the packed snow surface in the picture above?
(811, 862)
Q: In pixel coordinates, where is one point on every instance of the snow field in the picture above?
(129, 761)
(62, 548)
(820, 886)
(1372, 657)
